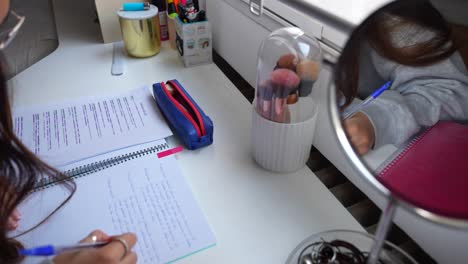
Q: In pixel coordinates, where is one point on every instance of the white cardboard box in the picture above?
(194, 42)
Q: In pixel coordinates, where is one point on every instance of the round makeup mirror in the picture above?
(402, 85)
(399, 109)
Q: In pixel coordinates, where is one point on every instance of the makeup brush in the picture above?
(264, 98)
(308, 71)
(288, 61)
(284, 83)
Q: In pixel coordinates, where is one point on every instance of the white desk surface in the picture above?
(257, 216)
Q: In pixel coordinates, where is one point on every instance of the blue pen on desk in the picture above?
(50, 250)
(354, 109)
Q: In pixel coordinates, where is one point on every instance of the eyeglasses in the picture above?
(10, 28)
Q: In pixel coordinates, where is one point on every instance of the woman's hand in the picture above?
(360, 132)
(114, 252)
(13, 220)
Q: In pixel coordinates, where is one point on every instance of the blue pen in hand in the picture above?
(50, 250)
(356, 108)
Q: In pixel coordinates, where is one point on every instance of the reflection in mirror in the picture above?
(402, 90)
(411, 45)
(400, 113)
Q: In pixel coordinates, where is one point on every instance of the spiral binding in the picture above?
(93, 167)
(395, 158)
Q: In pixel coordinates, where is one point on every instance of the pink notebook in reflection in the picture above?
(432, 171)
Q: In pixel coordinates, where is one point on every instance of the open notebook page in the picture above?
(147, 195)
(70, 131)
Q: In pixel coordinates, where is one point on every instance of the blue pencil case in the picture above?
(183, 114)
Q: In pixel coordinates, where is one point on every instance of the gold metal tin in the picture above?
(140, 32)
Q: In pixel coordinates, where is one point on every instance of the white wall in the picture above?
(236, 37)
(202, 4)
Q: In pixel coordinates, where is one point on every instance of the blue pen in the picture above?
(354, 109)
(50, 250)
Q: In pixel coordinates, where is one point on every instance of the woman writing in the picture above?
(20, 170)
(411, 44)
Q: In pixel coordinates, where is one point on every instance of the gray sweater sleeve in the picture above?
(46, 261)
(419, 97)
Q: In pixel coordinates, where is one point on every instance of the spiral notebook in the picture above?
(127, 191)
(431, 171)
(111, 147)
(104, 161)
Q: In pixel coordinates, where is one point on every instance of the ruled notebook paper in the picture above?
(146, 195)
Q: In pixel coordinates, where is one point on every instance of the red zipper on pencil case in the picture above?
(192, 107)
(183, 106)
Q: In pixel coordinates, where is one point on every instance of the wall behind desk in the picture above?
(108, 19)
(36, 39)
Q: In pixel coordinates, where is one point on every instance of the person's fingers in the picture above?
(360, 143)
(353, 134)
(13, 220)
(130, 238)
(116, 249)
(350, 126)
(131, 258)
(355, 140)
(12, 224)
(96, 236)
(362, 149)
(357, 134)
(16, 215)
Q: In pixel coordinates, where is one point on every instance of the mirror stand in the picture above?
(383, 227)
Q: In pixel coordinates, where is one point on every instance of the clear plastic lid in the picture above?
(288, 66)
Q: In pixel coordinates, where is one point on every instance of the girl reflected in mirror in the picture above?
(423, 53)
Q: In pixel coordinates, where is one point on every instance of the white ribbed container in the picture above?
(281, 147)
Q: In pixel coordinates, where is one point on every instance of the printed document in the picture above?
(64, 133)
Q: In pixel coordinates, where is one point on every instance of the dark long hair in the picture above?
(377, 31)
(20, 170)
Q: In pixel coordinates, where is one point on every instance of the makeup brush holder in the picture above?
(284, 113)
(281, 147)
